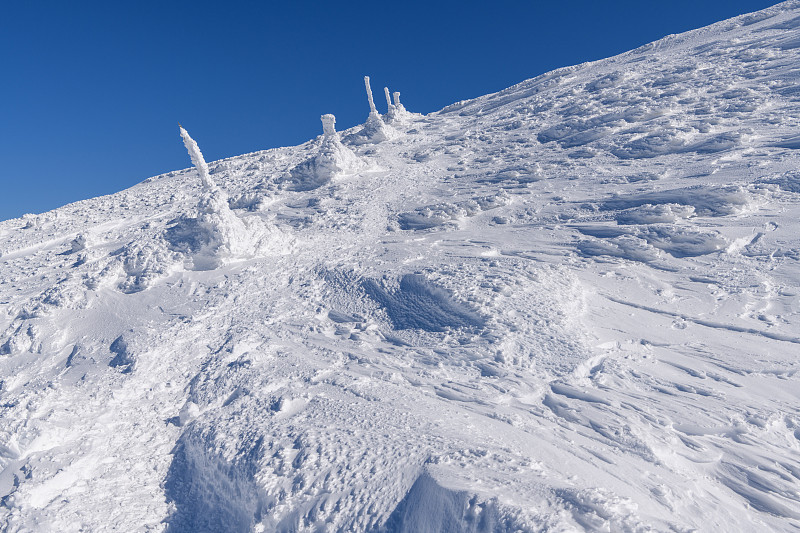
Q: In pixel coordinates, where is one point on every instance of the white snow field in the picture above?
(571, 305)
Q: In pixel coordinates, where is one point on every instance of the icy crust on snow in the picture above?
(571, 305)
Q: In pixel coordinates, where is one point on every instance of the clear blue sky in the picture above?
(91, 92)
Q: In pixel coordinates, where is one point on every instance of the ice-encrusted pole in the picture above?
(388, 99)
(197, 159)
(372, 109)
(215, 234)
(375, 129)
(328, 125)
(399, 110)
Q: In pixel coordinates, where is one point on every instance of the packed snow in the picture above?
(570, 305)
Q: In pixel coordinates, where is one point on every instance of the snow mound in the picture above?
(430, 508)
(624, 246)
(375, 130)
(332, 160)
(683, 242)
(217, 236)
(599, 510)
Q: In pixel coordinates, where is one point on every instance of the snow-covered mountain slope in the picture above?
(573, 304)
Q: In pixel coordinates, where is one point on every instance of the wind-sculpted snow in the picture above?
(570, 305)
(209, 493)
(428, 507)
(705, 201)
(142, 264)
(123, 358)
(788, 181)
(437, 215)
(677, 241)
(417, 304)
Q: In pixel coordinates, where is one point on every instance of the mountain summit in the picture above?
(570, 305)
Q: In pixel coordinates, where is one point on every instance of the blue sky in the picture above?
(91, 92)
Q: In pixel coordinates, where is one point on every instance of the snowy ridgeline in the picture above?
(570, 305)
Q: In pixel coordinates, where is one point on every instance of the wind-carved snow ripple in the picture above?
(788, 181)
(433, 216)
(518, 314)
(597, 509)
(661, 220)
(676, 241)
(706, 200)
(634, 118)
(674, 141)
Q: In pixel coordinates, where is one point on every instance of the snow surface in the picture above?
(570, 305)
